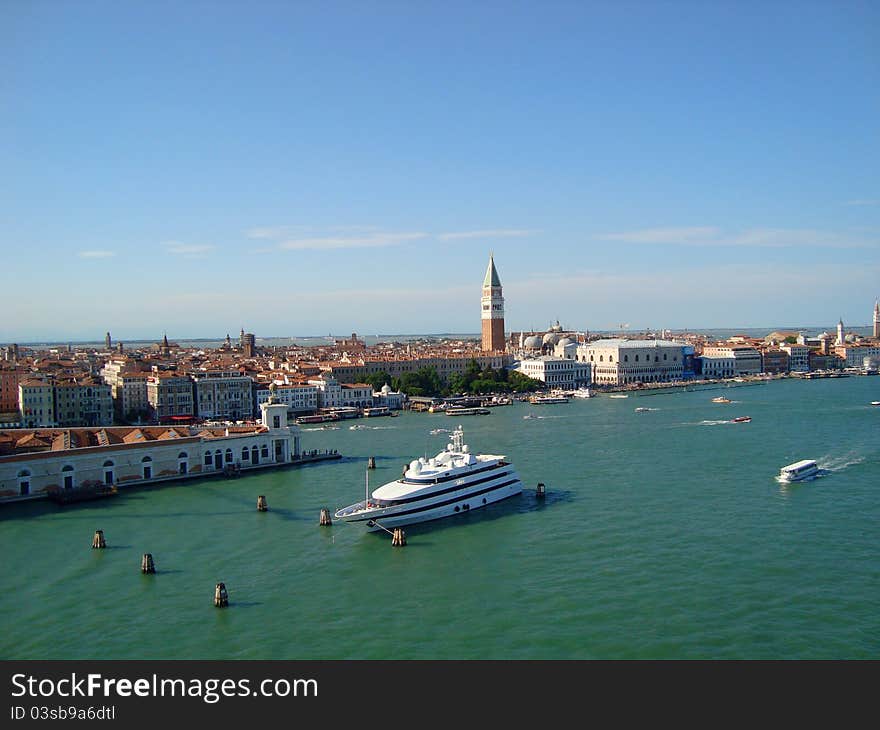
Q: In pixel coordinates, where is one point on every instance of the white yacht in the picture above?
(581, 393)
(798, 471)
(453, 482)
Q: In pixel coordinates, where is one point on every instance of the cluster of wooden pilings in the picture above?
(398, 537)
(147, 564)
(98, 541)
(262, 505)
(221, 597)
(324, 520)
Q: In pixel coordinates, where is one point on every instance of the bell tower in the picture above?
(492, 314)
(877, 320)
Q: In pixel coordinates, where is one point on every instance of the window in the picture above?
(264, 451)
(208, 458)
(245, 454)
(228, 456)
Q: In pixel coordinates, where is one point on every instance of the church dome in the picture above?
(532, 342)
(551, 338)
(565, 341)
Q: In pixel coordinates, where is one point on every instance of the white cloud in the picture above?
(874, 201)
(756, 237)
(96, 254)
(691, 235)
(335, 242)
(187, 249)
(492, 233)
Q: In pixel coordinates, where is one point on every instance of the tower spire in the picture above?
(492, 314)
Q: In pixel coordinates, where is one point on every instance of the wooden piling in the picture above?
(98, 541)
(221, 597)
(540, 490)
(398, 537)
(371, 462)
(147, 565)
(325, 520)
(261, 504)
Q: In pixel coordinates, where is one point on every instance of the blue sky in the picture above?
(304, 168)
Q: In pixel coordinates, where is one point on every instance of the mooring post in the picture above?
(540, 490)
(147, 565)
(325, 520)
(98, 540)
(261, 504)
(221, 597)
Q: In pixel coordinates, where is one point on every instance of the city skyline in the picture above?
(337, 169)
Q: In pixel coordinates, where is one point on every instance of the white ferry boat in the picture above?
(453, 482)
(798, 471)
(581, 393)
(547, 399)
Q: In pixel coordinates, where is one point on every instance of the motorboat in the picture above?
(721, 399)
(618, 395)
(798, 471)
(581, 393)
(453, 482)
(741, 419)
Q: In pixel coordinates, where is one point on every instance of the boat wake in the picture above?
(832, 464)
(712, 423)
(436, 431)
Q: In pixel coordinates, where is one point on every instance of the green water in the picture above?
(663, 535)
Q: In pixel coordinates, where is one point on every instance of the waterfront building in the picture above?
(556, 372)
(747, 359)
(492, 314)
(34, 462)
(446, 365)
(300, 398)
(854, 356)
(621, 362)
(222, 395)
(776, 360)
(170, 396)
(715, 366)
(333, 394)
(798, 358)
(390, 399)
(83, 402)
(36, 399)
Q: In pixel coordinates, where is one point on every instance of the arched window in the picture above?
(67, 476)
(208, 458)
(245, 454)
(264, 451)
(637, 358)
(601, 358)
(182, 462)
(626, 358)
(147, 466)
(183, 455)
(255, 455)
(108, 472)
(664, 355)
(228, 456)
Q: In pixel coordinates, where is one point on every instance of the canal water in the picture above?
(664, 534)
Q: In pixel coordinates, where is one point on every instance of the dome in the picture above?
(533, 342)
(565, 341)
(386, 389)
(551, 338)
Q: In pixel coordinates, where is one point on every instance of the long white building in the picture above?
(556, 372)
(620, 361)
(34, 462)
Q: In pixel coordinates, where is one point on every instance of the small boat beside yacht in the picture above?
(452, 482)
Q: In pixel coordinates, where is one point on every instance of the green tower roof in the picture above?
(491, 274)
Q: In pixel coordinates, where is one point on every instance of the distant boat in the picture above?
(642, 409)
(721, 399)
(581, 393)
(741, 419)
(618, 396)
(548, 399)
(467, 411)
(875, 402)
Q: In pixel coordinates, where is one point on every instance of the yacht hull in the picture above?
(462, 501)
